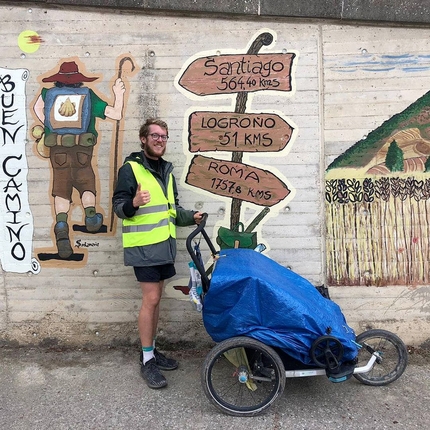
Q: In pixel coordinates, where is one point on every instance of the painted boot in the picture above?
(93, 223)
(61, 231)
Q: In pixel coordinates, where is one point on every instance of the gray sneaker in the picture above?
(162, 362)
(152, 375)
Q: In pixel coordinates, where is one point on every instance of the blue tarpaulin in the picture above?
(252, 295)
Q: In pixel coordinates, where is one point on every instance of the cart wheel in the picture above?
(242, 376)
(327, 351)
(392, 352)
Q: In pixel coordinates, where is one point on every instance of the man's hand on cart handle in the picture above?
(198, 216)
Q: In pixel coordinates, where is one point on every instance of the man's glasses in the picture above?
(157, 136)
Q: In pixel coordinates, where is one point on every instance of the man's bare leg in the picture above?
(149, 311)
(147, 323)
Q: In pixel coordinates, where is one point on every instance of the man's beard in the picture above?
(151, 153)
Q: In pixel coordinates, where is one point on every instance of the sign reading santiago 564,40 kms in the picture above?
(227, 74)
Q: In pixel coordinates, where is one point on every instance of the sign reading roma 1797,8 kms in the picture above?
(236, 180)
(245, 132)
(227, 74)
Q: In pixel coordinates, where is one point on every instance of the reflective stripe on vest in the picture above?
(156, 221)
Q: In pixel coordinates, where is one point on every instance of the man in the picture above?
(69, 111)
(146, 199)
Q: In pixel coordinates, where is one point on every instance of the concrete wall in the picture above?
(395, 11)
(346, 80)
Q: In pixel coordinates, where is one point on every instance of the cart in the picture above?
(271, 324)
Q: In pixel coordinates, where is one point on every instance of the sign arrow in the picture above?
(245, 132)
(236, 180)
(227, 74)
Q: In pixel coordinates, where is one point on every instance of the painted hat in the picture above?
(68, 74)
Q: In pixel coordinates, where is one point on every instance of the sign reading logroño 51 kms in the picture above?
(227, 74)
(245, 132)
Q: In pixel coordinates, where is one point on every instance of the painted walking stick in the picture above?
(116, 150)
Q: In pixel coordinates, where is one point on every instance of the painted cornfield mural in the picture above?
(377, 202)
(378, 231)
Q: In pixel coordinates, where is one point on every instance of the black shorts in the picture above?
(154, 273)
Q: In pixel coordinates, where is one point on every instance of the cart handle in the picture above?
(201, 229)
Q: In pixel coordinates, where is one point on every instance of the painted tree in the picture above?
(394, 158)
(427, 165)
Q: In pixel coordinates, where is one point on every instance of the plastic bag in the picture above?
(195, 284)
(195, 287)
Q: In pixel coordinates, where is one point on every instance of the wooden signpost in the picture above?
(238, 131)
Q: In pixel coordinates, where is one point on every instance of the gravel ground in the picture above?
(102, 389)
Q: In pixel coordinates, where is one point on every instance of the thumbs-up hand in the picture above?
(142, 197)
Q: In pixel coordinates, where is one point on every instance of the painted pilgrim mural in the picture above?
(69, 108)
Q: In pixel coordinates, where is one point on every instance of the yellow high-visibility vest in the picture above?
(154, 222)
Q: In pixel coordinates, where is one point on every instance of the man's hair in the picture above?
(144, 130)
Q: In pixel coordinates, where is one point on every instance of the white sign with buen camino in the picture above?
(16, 220)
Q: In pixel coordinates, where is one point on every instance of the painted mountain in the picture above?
(401, 144)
